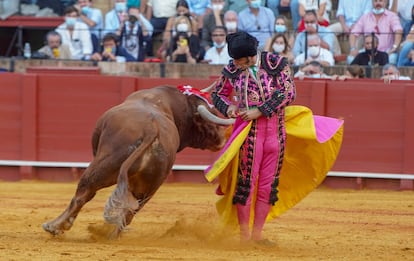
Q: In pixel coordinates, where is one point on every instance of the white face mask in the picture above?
(70, 21)
(120, 7)
(219, 45)
(218, 7)
(182, 28)
(378, 11)
(255, 4)
(313, 51)
(231, 26)
(278, 48)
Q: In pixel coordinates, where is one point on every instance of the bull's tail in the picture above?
(122, 205)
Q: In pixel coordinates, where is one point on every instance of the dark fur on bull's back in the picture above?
(134, 144)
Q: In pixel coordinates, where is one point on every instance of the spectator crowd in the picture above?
(306, 32)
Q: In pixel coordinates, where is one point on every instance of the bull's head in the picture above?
(208, 130)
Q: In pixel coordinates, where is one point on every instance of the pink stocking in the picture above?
(243, 214)
(260, 214)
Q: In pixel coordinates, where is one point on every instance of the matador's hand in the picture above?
(251, 114)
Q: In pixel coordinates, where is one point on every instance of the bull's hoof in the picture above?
(49, 228)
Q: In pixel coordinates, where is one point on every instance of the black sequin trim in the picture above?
(231, 71)
(269, 107)
(244, 180)
(273, 63)
(219, 104)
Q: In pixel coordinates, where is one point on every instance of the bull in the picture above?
(134, 146)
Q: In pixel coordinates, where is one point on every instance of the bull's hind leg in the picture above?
(121, 208)
(92, 180)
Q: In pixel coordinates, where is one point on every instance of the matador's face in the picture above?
(245, 62)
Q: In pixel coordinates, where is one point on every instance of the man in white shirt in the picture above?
(315, 53)
(218, 54)
(76, 35)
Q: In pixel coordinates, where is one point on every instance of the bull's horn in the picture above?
(209, 88)
(208, 116)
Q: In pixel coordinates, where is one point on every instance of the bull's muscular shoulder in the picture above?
(272, 63)
(231, 71)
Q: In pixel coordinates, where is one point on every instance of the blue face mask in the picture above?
(120, 7)
(70, 21)
(85, 10)
(378, 11)
(255, 4)
(279, 28)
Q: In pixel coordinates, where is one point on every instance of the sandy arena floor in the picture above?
(180, 223)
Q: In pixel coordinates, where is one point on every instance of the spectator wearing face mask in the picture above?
(183, 9)
(312, 28)
(386, 26)
(116, 17)
(184, 45)
(230, 20)
(218, 54)
(54, 49)
(112, 51)
(213, 19)
(92, 17)
(320, 7)
(315, 53)
(281, 28)
(371, 55)
(76, 35)
(390, 73)
(135, 34)
(281, 6)
(279, 44)
(257, 20)
(312, 70)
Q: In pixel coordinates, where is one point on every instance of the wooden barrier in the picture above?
(50, 117)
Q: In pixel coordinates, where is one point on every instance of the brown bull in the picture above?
(134, 145)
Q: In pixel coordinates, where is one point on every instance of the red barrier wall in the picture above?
(50, 117)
